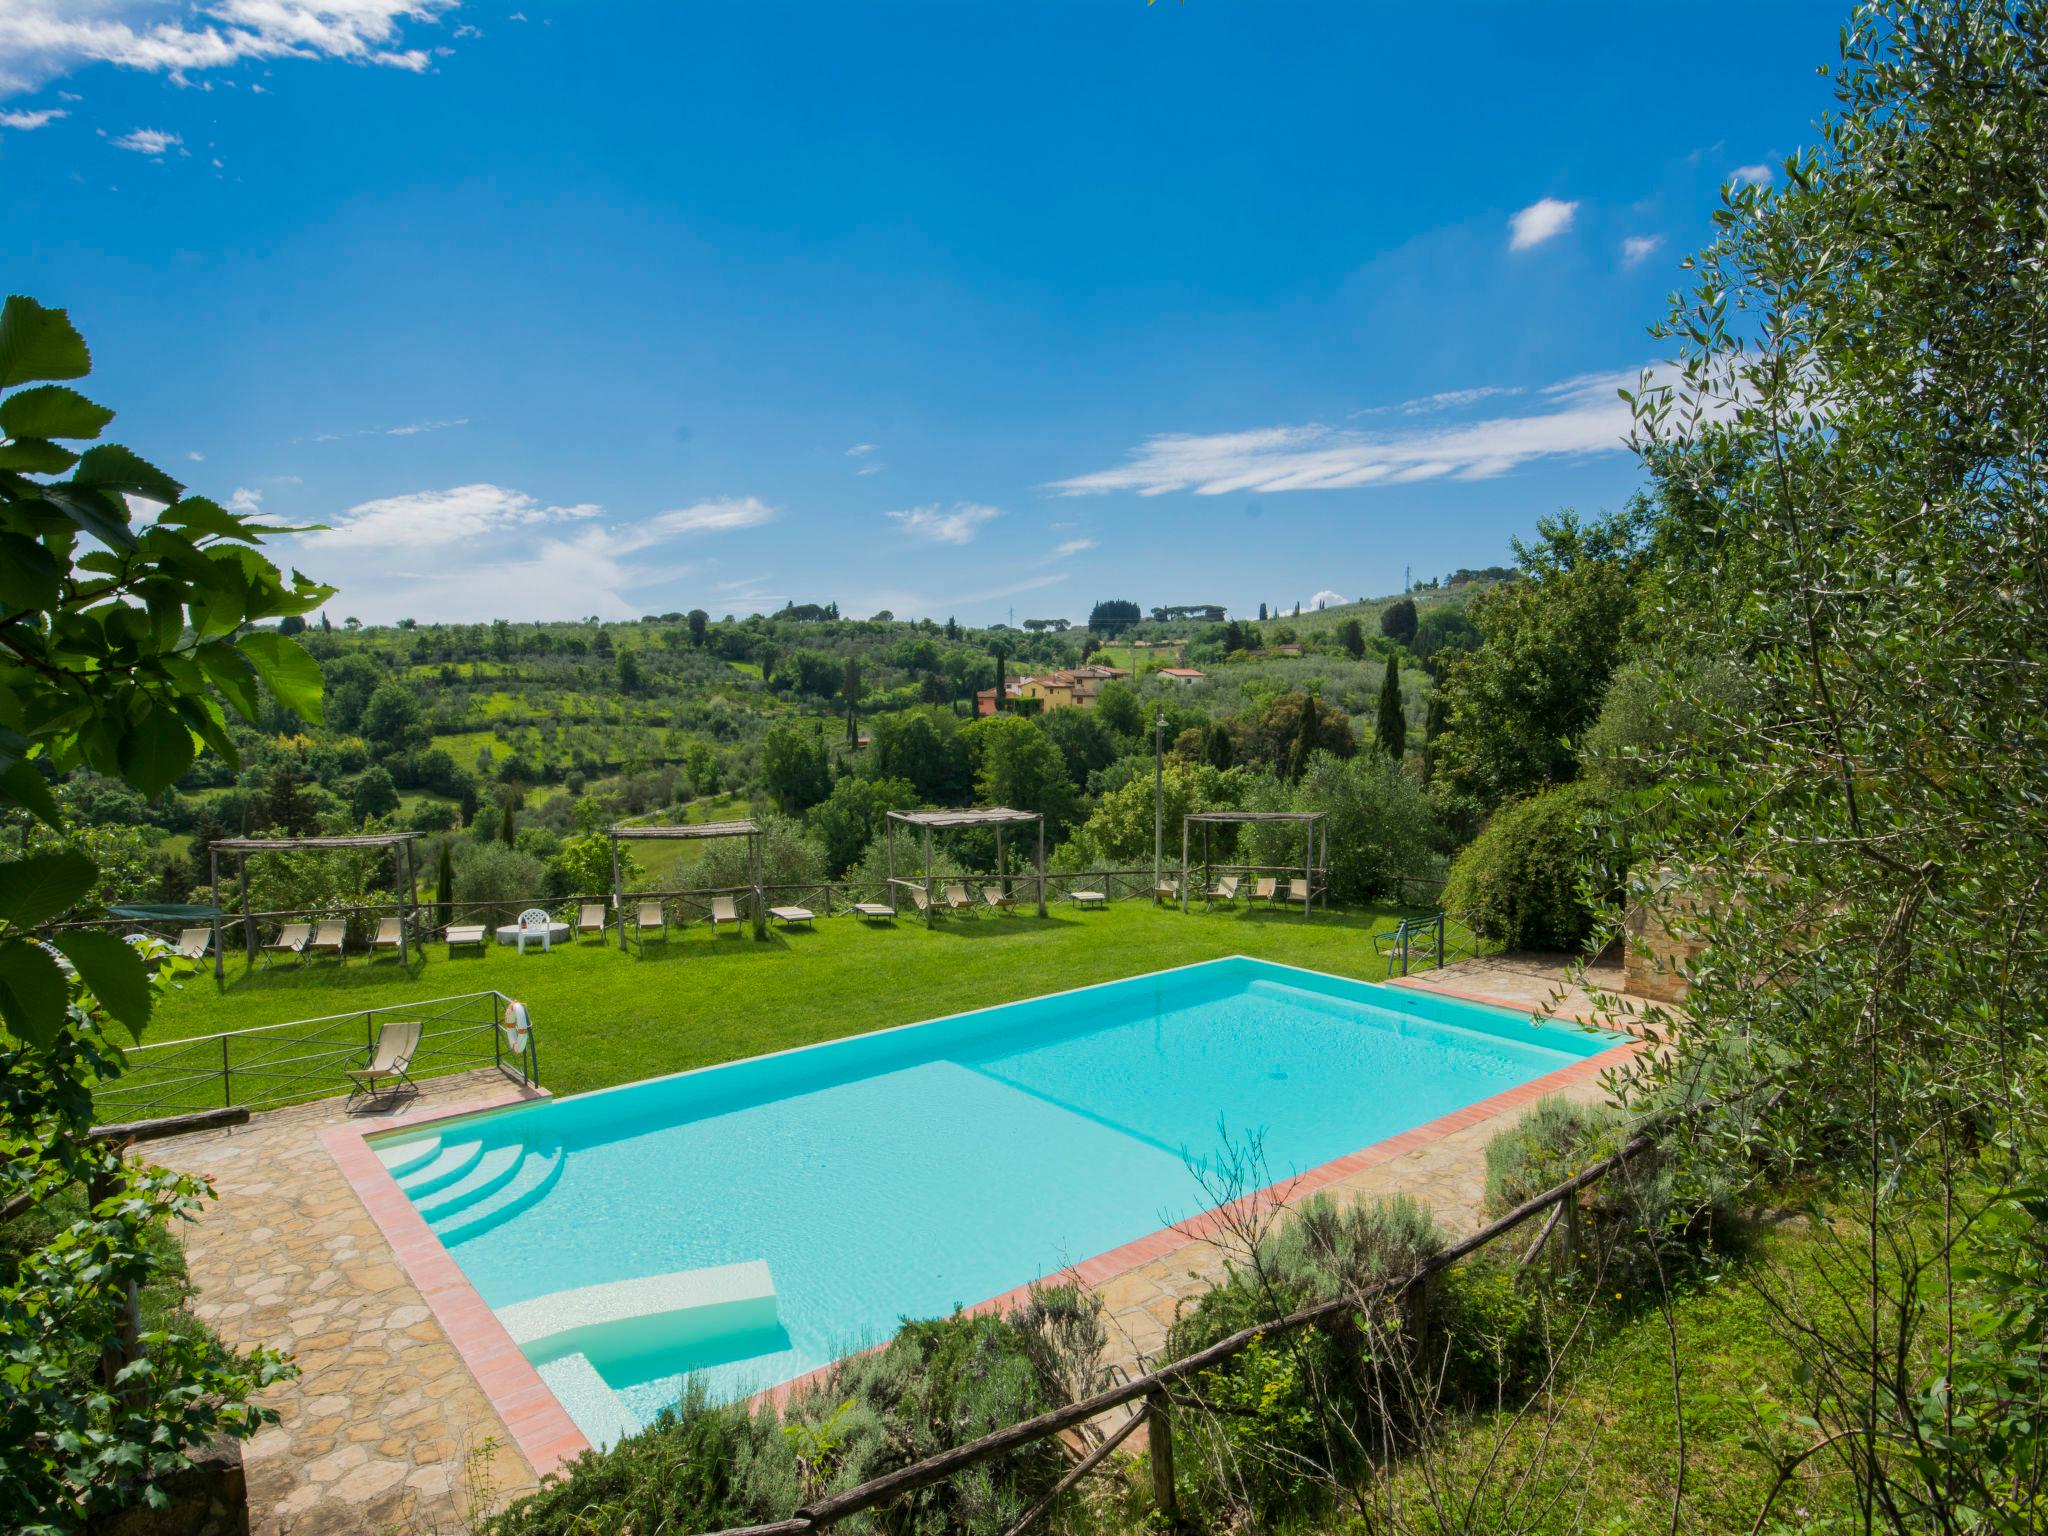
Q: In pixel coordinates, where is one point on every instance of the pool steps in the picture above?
(640, 1316)
(533, 1178)
(597, 1410)
(486, 1175)
(456, 1159)
(409, 1156)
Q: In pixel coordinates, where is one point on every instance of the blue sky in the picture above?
(556, 309)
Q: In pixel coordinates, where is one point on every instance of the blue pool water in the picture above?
(909, 1171)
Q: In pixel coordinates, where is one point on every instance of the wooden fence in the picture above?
(1152, 1391)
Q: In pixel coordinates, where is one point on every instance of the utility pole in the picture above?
(1158, 800)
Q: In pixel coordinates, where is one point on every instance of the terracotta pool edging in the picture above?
(540, 1427)
(1107, 1266)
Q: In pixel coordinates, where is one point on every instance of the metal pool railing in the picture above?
(305, 1059)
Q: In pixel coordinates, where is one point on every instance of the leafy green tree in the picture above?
(1397, 620)
(1084, 741)
(1378, 820)
(121, 655)
(1017, 765)
(699, 621)
(923, 748)
(1391, 731)
(393, 722)
(1114, 616)
(631, 679)
(1443, 629)
(1549, 643)
(582, 866)
(1351, 636)
(375, 794)
(795, 768)
(1518, 882)
(1119, 832)
(1120, 708)
(850, 818)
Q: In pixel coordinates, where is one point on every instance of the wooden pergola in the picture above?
(750, 830)
(1314, 866)
(404, 878)
(929, 822)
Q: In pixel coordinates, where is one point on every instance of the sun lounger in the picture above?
(387, 935)
(331, 937)
(590, 919)
(385, 1072)
(1264, 890)
(291, 940)
(1224, 890)
(920, 900)
(1088, 898)
(957, 899)
(1167, 891)
(993, 895)
(789, 917)
(650, 917)
(724, 910)
(466, 933)
(1297, 890)
(875, 911)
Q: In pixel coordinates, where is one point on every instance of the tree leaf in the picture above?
(35, 889)
(113, 972)
(51, 410)
(20, 783)
(38, 343)
(99, 513)
(204, 516)
(283, 663)
(33, 456)
(33, 991)
(114, 468)
(29, 574)
(232, 674)
(155, 750)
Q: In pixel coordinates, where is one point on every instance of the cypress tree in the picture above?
(1393, 724)
(1306, 738)
(444, 882)
(1432, 727)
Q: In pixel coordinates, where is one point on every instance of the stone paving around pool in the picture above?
(388, 1430)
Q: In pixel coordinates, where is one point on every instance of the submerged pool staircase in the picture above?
(460, 1186)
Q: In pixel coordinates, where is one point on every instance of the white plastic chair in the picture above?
(534, 923)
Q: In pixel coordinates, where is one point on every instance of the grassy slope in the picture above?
(1611, 1464)
(604, 1017)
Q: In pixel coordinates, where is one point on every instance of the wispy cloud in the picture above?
(1637, 249)
(860, 450)
(195, 456)
(1585, 416)
(475, 552)
(1544, 219)
(28, 122)
(936, 525)
(870, 469)
(408, 429)
(1442, 400)
(152, 142)
(43, 39)
(1751, 175)
(1072, 547)
(714, 516)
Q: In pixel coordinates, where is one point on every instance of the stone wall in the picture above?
(1657, 957)
(208, 1498)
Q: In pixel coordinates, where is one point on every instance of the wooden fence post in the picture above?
(1159, 1435)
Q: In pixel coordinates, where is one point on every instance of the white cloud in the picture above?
(1443, 400)
(147, 141)
(1751, 175)
(1325, 596)
(246, 501)
(477, 552)
(408, 429)
(28, 122)
(195, 456)
(1072, 547)
(938, 526)
(1542, 220)
(424, 519)
(1637, 249)
(860, 450)
(42, 39)
(715, 516)
(870, 469)
(1584, 417)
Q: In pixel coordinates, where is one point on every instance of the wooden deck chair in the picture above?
(957, 899)
(1168, 892)
(920, 900)
(1298, 890)
(1265, 889)
(193, 943)
(291, 940)
(390, 1058)
(387, 935)
(993, 895)
(590, 919)
(331, 936)
(1224, 890)
(724, 910)
(650, 917)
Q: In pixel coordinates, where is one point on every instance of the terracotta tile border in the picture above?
(1467, 995)
(545, 1434)
(549, 1438)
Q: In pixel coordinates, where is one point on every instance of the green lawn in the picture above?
(603, 1017)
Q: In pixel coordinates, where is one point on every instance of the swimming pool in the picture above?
(753, 1221)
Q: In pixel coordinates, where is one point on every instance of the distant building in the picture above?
(1075, 688)
(1181, 674)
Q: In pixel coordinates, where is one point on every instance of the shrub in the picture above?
(1546, 1146)
(502, 877)
(1518, 881)
(1268, 1429)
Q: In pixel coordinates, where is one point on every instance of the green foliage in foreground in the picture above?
(937, 1384)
